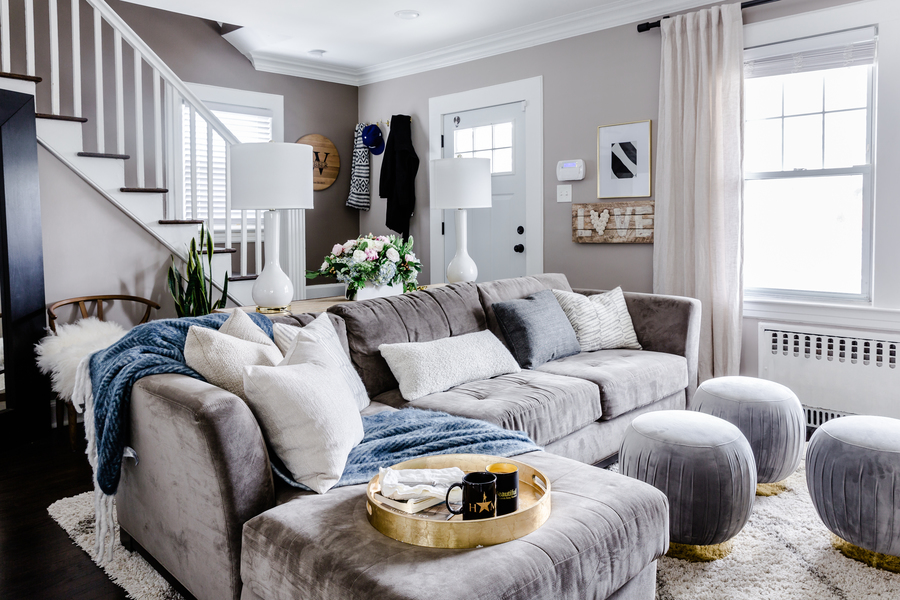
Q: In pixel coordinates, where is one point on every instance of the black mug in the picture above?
(507, 487)
(479, 494)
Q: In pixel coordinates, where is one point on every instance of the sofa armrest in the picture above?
(666, 324)
(202, 472)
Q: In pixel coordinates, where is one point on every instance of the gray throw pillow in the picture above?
(536, 329)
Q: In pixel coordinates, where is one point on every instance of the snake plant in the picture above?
(193, 298)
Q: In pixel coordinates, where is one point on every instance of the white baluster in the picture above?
(138, 117)
(4, 36)
(243, 243)
(98, 79)
(193, 143)
(258, 246)
(76, 58)
(157, 131)
(120, 93)
(210, 213)
(29, 37)
(54, 56)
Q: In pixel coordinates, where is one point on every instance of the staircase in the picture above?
(157, 206)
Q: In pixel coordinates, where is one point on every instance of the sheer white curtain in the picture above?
(698, 246)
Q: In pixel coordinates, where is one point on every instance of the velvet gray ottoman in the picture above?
(705, 468)
(602, 539)
(853, 474)
(767, 413)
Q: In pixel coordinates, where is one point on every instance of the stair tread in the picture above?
(103, 155)
(145, 190)
(60, 117)
(242, 277)
(221, 251)
(20, 76)
(180, 222)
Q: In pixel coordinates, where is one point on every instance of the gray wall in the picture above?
(601, 78)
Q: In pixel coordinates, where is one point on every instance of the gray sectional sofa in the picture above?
(203, 503)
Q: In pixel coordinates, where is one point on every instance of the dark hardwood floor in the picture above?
(37, 558)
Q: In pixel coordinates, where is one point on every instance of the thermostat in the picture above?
(570, 170)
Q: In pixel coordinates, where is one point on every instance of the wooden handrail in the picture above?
(82, 305)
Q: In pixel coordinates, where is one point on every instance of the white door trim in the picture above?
(531, 91)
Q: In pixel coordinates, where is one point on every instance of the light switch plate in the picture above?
(564, 193)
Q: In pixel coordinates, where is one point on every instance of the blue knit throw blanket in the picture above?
(150, 349)
(394, 436)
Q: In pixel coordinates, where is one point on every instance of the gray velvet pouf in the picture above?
(853, 474)
(767, 413)
(702, 464)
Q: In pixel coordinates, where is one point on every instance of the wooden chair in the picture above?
(82, 303)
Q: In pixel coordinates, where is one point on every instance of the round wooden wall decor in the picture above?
(326, 160)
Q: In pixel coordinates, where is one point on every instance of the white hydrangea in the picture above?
(393, 255)
(359, 255)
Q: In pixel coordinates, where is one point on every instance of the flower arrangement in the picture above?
(381, 260)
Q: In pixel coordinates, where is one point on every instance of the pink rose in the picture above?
(371, 254)
(337, 250)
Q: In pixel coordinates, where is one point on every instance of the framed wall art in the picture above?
(623, 160)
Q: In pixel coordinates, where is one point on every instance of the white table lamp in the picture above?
(461, 183)
(272, 177)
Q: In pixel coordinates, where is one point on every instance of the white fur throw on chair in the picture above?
(58, 355)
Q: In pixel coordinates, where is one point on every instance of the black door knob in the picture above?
(520, 230)
(519, 248)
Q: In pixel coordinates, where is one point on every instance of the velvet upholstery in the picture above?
(604, 530)
(415, 317)
(536, 329)
(627, 379)
(666, 324)
(547, 407)
(702, 464)
(853, 474)
(513, 289)
(202, 471)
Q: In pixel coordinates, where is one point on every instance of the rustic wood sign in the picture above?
(326, 161)
(628, 222)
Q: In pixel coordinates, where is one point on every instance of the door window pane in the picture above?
(483, 137)
(502, 161)
(503, 135)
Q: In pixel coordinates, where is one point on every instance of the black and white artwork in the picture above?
(623, 160)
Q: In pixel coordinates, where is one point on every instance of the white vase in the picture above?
(372, 290)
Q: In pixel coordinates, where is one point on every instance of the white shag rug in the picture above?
(784, 552)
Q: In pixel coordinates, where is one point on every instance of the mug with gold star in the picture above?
(479, 494)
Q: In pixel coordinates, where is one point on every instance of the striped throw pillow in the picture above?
(583, 316)
(601, 321)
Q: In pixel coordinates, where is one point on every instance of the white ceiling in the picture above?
(365, 42)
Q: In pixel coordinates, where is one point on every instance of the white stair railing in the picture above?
(167, 90)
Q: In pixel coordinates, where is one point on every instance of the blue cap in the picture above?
(373, 139)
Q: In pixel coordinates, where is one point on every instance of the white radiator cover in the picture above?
(839, 370)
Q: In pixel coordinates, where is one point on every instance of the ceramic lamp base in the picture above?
(462, 267)
(273, 291)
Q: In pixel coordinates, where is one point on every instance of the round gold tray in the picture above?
(437, 528)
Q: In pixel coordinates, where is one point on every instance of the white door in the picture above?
(497, 238)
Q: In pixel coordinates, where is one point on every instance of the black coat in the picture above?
(398, 175)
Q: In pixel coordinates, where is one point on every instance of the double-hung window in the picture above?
(808, 167)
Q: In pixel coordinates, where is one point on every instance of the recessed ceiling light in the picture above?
(317, 53)
(406, 14)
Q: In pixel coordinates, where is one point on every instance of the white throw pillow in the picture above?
(600, 321)
(310, 418)
(318, 343)
(423, 368)
(220, 356)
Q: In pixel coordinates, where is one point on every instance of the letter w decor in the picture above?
(627, 222)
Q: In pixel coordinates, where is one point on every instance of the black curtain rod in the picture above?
(748, 4)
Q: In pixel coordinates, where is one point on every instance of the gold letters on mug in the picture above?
(484, 506)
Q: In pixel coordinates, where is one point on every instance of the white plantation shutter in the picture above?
(252, 126)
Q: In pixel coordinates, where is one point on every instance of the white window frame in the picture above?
(225, 99)
(512, 147)
(867, 172)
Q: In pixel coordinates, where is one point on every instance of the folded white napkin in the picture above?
(412, 484)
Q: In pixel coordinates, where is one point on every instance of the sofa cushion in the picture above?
(536, 329)
(500, 290)
(546, 407)
(415, 317)
(304, 319)
(603, 530)
(627, 379)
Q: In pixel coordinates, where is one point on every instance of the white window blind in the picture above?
(255, 125)
(852, 48)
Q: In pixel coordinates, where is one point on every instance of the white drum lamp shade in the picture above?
(272, 177)
(461, 183)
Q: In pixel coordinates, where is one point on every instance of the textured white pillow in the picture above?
(284, 335)
(318, 343)
(423, 368)
(220, 356)
(583, 316)
(600, 321)
(310, 418)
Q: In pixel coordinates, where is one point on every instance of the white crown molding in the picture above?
(614, 14)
